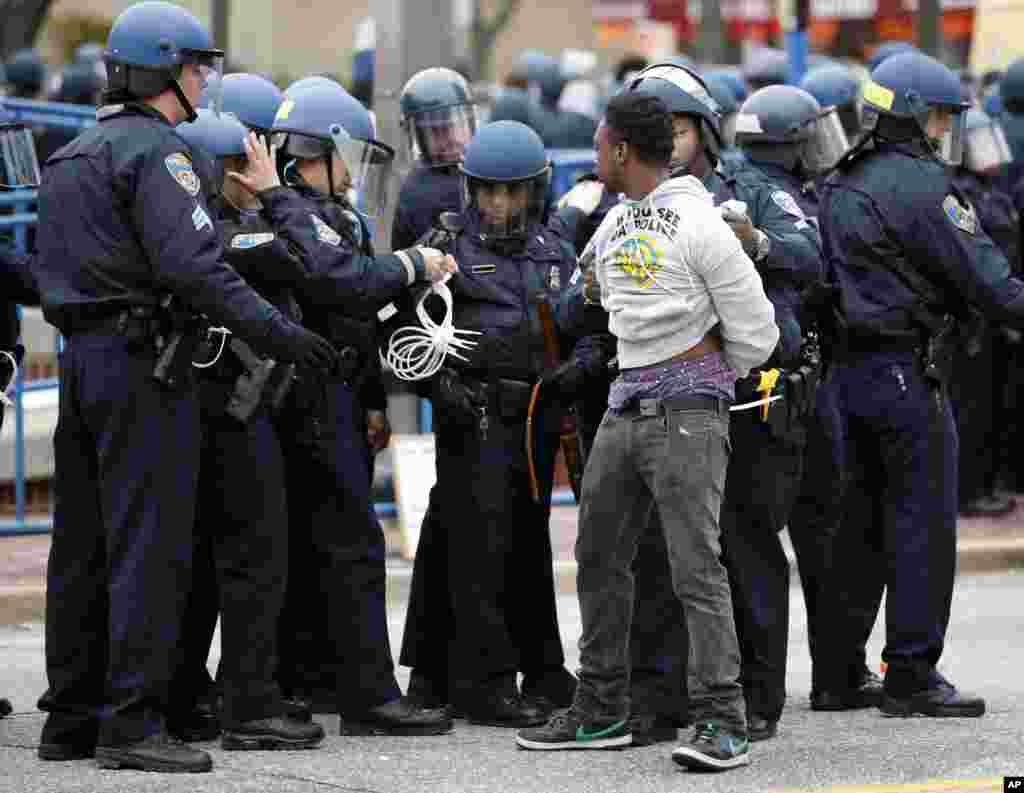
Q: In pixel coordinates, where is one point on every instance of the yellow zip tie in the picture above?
(768, 380)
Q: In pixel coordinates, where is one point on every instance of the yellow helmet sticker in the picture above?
(285, 109)
(878, 95)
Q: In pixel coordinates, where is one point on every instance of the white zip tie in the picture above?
(416, 353)
(759, 403)
(224, 333)
(5, 398)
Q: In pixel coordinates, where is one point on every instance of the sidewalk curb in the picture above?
(973, 557)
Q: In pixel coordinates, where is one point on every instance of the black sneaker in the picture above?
(713, 748)
(940, 701)
(398, 717)
(5, 708)
(274, 734)
(160, 752)
(568, 729)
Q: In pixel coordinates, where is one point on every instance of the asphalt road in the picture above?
(852, 752)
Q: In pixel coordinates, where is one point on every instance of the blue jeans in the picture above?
(675, 460)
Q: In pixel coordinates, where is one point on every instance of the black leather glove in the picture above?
(294, 344)
(453, 399)
(564, 383)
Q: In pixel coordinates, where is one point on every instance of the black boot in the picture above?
(502, 705)
(401, 716)
(160, 752)
(865, 693)
(276, 733)
(939, 699)
(5, 708)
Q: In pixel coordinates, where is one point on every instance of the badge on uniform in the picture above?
(244, 242)
(180, 167)
(788, 204)
(963, 217)
(483, 269)
(201, 220)
(325, 233)
(554, 278)
(575, 276)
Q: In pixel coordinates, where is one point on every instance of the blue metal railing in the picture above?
(22, 203)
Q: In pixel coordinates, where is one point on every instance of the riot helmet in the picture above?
(886, 50)
(506, 174)
(992, 101)
(252, 99)
(321, 121)
(19, 167)
(78, 84)
(1011, 87)
(785, 125)
(438, 116)
(149, 44)
(732, 78)
(911, 96)
(985, 148)
(838, 87)
(684, 93)
(26, 73)
(512, 104)
(728, 107)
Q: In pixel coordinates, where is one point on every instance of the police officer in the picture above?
(983, 364)
(765, 467)
(908, 254)
(438, 120)
(128, 233)
(337, 551)
(787, 136)
(19, 169)
(503, 618)
(838, 87)
(241, 520)
(26, 74)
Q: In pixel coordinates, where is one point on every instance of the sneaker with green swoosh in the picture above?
(713, 748)
(569, 729)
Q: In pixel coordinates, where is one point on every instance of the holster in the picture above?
(940, 351)
(180, 332)
(249, 386)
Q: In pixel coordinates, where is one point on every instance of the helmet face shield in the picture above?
(369, 168)
(986, 149)
(506, 209)
(826, 144)
(211, 66)
(949, 144)
(19, 167)
(438, 137)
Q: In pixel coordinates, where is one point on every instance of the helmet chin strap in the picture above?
(190, 112)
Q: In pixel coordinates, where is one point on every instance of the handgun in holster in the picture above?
(939, 351)
(251, 383)
(175, 343)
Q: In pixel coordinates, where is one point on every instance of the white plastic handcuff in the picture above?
(416, 353)
(5, 397)
(224, 333)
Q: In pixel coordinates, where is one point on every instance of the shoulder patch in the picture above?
(325, 233)
(963, 217)
(179, 166)
(244, 242)
(788, 204)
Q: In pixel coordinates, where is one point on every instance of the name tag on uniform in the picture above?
(244, 242)
(325, 233)
(483, 269)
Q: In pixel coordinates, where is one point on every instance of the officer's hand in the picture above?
(378, 430)
(261, 171)
(585, 196)
(744, 231)
(591, 288)
(297, 345)
(438, 265)
(565, 383)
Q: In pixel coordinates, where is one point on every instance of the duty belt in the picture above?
(131, 321)
(659, 407)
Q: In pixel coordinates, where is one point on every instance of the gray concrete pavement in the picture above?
(853, 752)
